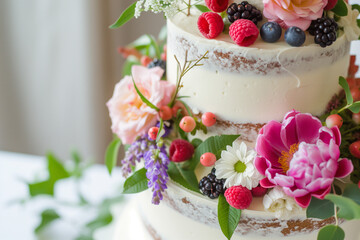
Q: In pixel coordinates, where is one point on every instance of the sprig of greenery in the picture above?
(57, 171)
(183, 70)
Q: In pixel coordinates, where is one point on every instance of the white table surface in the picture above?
(18, 221)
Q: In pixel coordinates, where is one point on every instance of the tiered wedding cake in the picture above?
(248, 134)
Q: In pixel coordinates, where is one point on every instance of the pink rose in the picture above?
(297, 13)
(129, 115)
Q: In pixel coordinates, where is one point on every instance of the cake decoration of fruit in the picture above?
(242, 118)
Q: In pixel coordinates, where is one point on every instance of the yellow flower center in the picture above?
(239, 167)
(286, 157)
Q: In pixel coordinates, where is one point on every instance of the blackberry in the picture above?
(324, 29)
(244, 10)
(158, 63)
(211, 186)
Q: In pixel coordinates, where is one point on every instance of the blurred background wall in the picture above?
(58, 67)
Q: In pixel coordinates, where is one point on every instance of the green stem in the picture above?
(351, 130)
(188, 10)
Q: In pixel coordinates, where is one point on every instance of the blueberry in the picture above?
(270, 32)
(295, 37)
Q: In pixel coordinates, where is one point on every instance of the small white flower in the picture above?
(282, 205)
(237, 166)
(349, 23)
(169, 7)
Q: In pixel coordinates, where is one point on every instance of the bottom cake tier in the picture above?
(187, 215)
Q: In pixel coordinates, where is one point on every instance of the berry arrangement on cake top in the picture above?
(298, 163)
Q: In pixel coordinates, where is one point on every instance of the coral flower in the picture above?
(297, 13)
(301, 156)
(130, 116)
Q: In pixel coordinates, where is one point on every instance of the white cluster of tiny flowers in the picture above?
(168, 7)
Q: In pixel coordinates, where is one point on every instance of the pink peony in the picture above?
(129, 115)
(301, 156)
(297, 13)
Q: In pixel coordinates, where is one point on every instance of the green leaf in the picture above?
(111, 154)
(318, 208)
(214, 145)
(39, 188)
(160, 129)
(228, 217)
(186, 178)
(104, 218)
(331, 232)
(344, 84)
(355, 6)
(340, 8)
(355, 107)
(47, 217)
(352, 191)
(155, 46)
(348, 209)
(125, 16)
(143, 98)
(137, 182)
(56, 169)
(196, 142)
(202, 8)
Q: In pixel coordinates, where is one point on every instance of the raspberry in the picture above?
(180, 150)
(217, 5)
(238, 197)
(210, 24)
(259, 191)
(243, 32)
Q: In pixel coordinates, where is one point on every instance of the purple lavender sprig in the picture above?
(135, 153)
(156, 164)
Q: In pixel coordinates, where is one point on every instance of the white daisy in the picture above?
(237, 166)
(282, 205)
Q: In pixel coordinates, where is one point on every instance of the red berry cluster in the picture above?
(243, 32)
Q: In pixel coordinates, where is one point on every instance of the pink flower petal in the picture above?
(261, 165)
(345, 167)
(303, 201)
(265, 183)
(288, 132)
(307, 128)
(322, 193)
(283, 180)
(337, 135)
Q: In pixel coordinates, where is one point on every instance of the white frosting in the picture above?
(303, 78)
(170, 224)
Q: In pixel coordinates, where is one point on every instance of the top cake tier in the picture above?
(256, 84)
